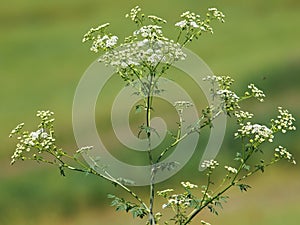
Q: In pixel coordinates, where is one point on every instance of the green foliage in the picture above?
(122, 205)
(243, 187)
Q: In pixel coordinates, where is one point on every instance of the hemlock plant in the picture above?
(141, 60)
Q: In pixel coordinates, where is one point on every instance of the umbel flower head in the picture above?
(192, 22)
(143, 53)
(31, 144)
(255, 92)
(100, 39)
(284, 121)
(282, 153)
(148, 50)
(256, 133)
(210, 164)
(221, 89)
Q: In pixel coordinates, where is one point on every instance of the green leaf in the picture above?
(138, 211)
(212, 209)
(111, 196)
(260, 167)
(243, 187)
(123, 205)
(238, 157)
(61, 170)
(139, 108)
(246, 167)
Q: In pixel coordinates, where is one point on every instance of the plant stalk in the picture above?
(152, 172)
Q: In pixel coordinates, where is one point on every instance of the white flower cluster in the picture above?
(151, 32)
(156, 19)
(255, 132)
(143, 53)
(255, 92)
(281, 152)
(215, 83)
(181, 24)
(231, 169)
(227, 94)
(243, 115)
(191, 20)
(178, 200)
(229, 100)
(223, 82)
(16, 130)
(100, 39)
(104, 42)
(38, 134)
(38, 139)
(210, 164)
(221, 88)
(215, 13)
(18, 153)
(45, 115)
(189, 185)
(165, 193)
(284, 121)
(133, 15)
(41, 139)
(89, 35)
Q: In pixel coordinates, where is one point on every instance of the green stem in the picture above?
(178, 138)
(171, 146)
(232, 183)
(152, 172)
(86, 169)
(206, 190)
(179, 35)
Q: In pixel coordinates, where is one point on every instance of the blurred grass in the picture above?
(42, 60)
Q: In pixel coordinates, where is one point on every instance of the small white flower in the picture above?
(157, 19)
(242, 115)
(147, 50)
(228, 93)
(134, 13)
(17, 129)
(255, 92)
(188, 185)
(256, 132)
(165, 206)
(194, 24)
(284, 121)
(217, 14)
(89, 35)
(181, 24)
(44, 135)
(281, 152)
(185, 14)
(211, 164)
(35, 135)
(111, 42)
(231, 169)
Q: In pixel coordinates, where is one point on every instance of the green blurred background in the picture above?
(42, 60)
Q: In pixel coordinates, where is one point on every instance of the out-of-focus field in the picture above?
(42, 60)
